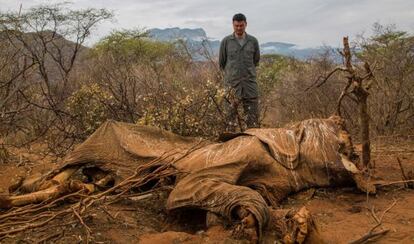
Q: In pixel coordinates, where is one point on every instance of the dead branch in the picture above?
(88, 230)
(348, 56)
(403, 175)
(341, 97)
(103, 208)
(325, 79)
(359, 85)
(33, 225)
(394, 183)
(49, 237)
(374, 215)
(370, 235)
(388, 209)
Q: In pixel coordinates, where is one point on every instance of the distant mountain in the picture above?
(197, 39)
(289, 49)
(169, 34)
(52, 49)
(276, 46)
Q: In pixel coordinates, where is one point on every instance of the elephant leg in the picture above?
(50, 193)
(36, 182)
(294, 226)
(213, 219)
(247, 229)
(105, 181)
(34, 197)
(39, 190)
(302, 224)
(60, 178)
(26, 185)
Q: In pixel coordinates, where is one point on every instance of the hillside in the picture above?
(197, 38)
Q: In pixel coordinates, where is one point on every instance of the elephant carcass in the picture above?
(242, 177)
(260, 167)
(108, 156)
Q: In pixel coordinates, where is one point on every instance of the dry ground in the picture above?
(341, 214)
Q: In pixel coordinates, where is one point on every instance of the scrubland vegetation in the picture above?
(55, 90)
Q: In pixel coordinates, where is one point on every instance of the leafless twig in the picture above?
(371, 233)
(88, 230)
(403, 175)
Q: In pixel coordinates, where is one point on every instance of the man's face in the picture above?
(239, 27)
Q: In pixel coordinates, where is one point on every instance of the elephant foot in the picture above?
(294, 226)
(298, 227)
(247, 229)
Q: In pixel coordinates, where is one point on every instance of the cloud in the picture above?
(304, 22)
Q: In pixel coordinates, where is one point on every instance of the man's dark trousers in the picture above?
(250, 109)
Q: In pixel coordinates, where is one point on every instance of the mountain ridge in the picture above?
(197, 38)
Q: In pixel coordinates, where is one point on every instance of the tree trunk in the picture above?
(364, 126)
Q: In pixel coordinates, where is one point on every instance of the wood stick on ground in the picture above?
(33, 225)
(370, 235)
(88, 230)
(49, 237)
(374, 215)
(403, 175)
(103, 208)
(393, 182)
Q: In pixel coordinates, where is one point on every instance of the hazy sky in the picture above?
(303, 22)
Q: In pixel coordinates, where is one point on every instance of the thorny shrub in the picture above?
(186, 112)
(88, 108)
(159, 84)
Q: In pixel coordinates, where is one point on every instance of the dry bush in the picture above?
(392, 94)
(292, 97)
(195, 111)
(87, 107)
(54, 89)
(47, 41)
(391, 100)
(159, 84)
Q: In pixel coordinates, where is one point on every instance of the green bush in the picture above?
(88, 108)
(188, 112)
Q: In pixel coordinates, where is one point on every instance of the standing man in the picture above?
(239, 55)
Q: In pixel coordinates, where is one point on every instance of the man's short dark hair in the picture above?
(239, 17)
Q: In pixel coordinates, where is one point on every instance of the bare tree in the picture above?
(392, 100)
(49, 40)
(357, 89)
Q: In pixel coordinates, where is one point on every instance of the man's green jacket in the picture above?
(239, 64)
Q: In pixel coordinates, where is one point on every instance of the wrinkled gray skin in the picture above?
(260, 167)
(246, 175)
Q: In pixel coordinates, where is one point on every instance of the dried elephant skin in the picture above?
(260, 167)
(254, 170)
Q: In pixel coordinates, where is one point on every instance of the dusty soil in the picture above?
(342, 215)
